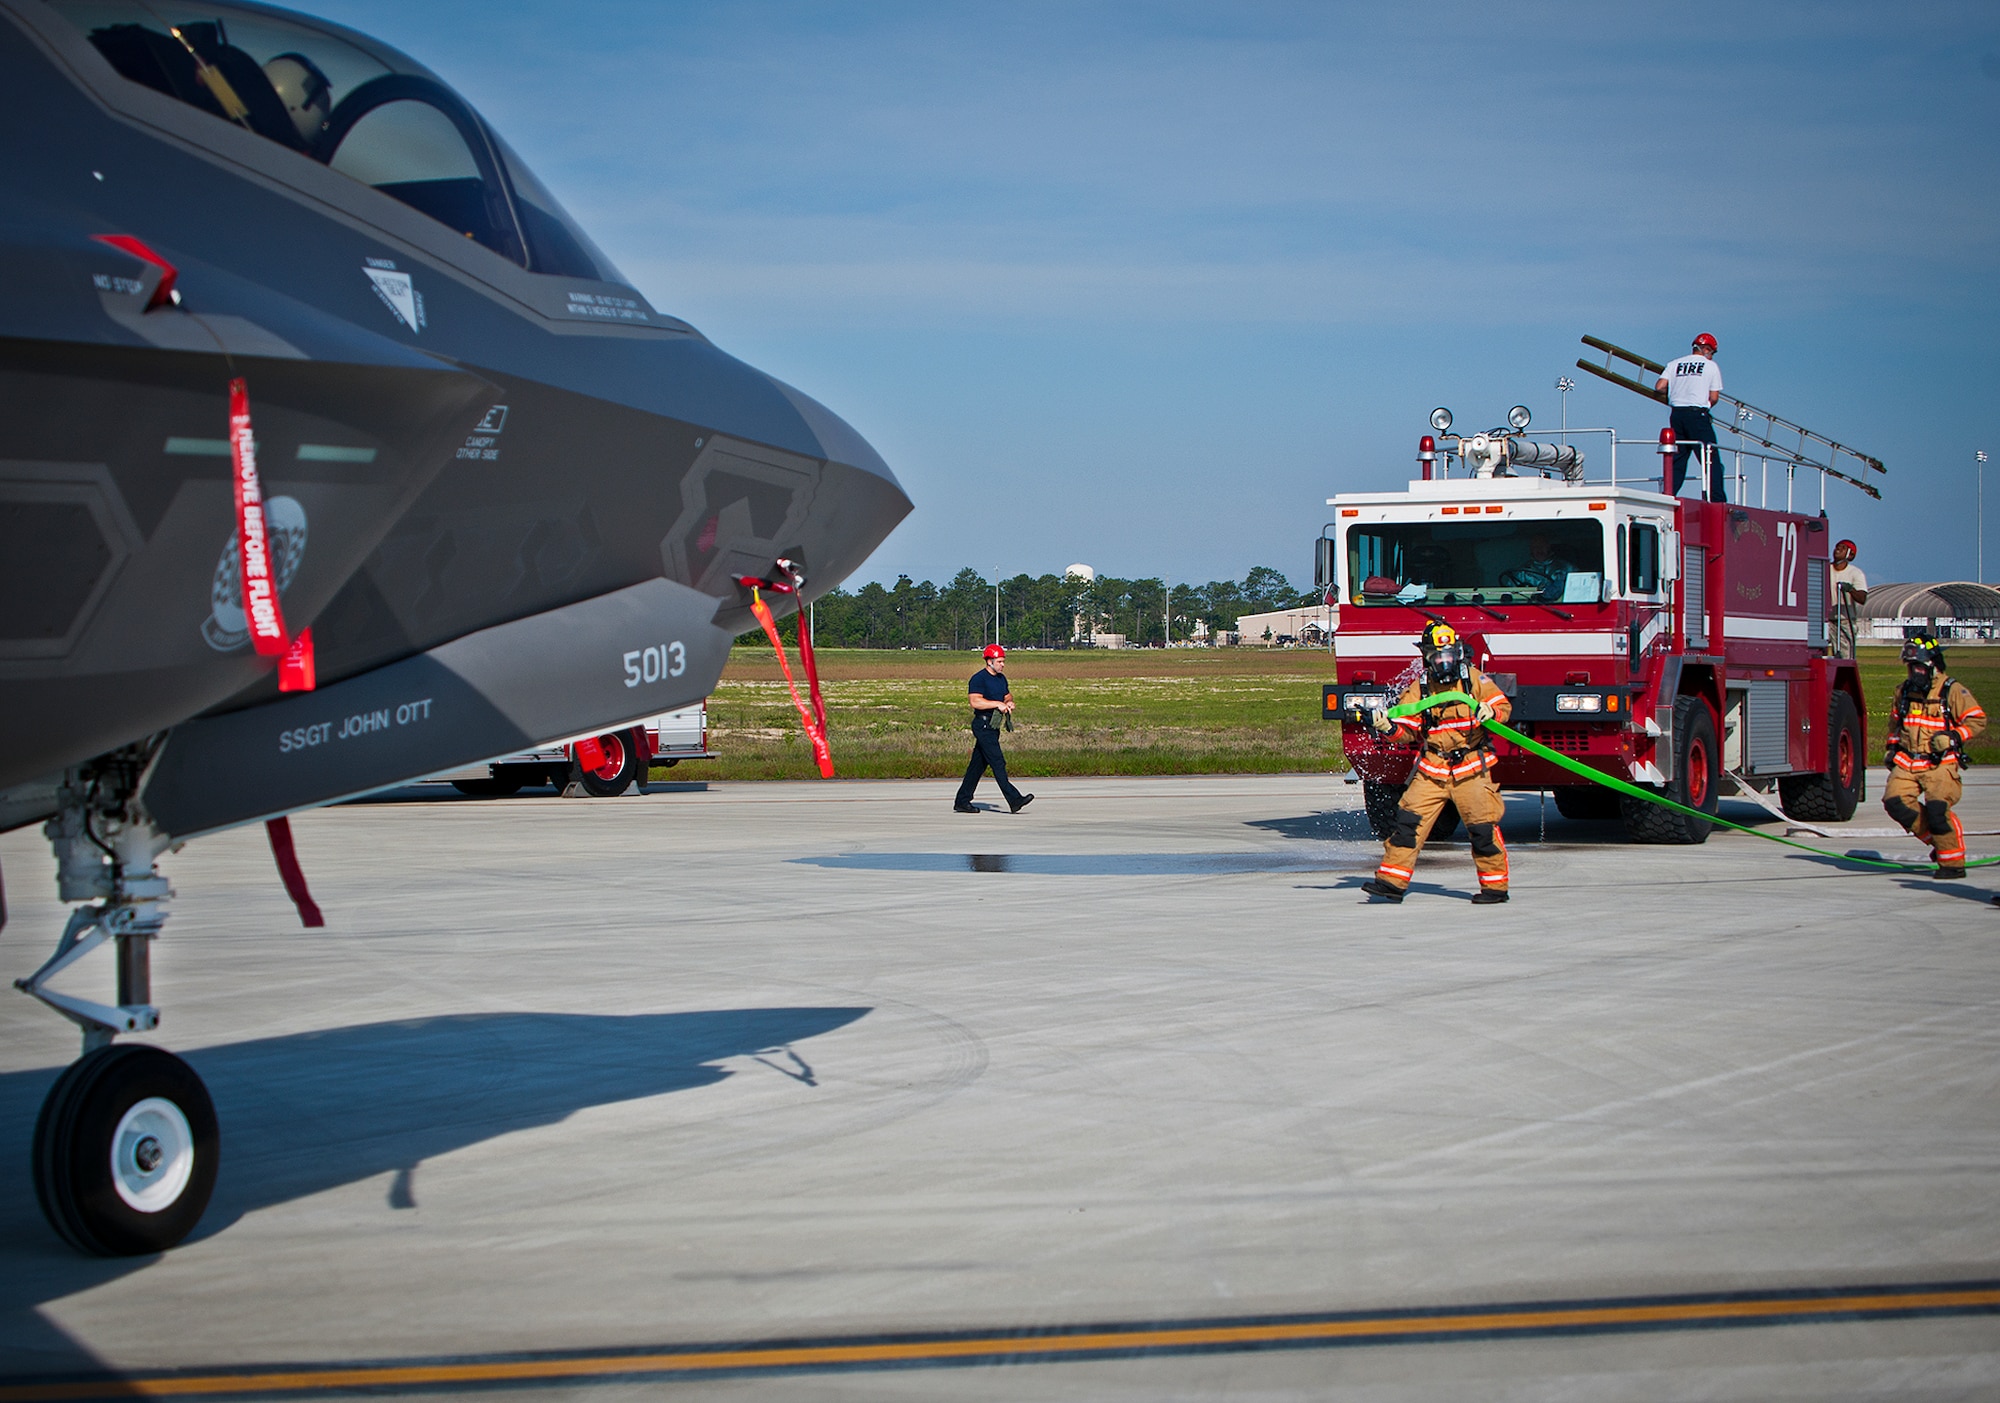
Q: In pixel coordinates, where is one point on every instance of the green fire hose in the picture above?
(1612, 782)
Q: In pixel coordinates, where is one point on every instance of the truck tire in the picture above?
(1831, 797)
(1381, 801)
(622, 750)
(1589, 802)
(1445, 826)
(1696, 782)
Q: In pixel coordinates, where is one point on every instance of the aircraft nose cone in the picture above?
(858, 502)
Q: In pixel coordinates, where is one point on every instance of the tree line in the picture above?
(1041, 610)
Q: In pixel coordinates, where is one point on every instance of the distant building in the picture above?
(1951, 609)
(1310, 627)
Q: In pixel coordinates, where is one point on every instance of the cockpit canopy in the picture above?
(366, 112)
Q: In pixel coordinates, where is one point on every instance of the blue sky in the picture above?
(1142, 284)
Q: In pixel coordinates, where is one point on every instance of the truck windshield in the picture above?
(1544, 561)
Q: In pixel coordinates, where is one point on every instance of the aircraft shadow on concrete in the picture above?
(311, 1111)
(444, 794)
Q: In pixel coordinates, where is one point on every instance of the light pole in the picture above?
(1565, 384)
(1979, 465)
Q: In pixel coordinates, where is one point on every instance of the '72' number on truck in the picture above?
(1788, 563)
(652, 664)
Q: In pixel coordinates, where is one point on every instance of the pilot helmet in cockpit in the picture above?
(304, 90)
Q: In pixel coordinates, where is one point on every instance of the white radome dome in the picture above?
(1080, 572)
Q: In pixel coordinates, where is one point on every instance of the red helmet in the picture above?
(1704, 342)
(994, 650)
(1848, 546)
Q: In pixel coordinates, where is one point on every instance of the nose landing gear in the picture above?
(126, 1145)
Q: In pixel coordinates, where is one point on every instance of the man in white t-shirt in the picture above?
(1692, 385)
(1850, 592)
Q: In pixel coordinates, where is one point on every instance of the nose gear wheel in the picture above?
(125, 1151)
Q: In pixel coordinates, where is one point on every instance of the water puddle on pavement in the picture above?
(1102, 864)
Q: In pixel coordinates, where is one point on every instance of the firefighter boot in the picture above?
(1480, 804)
(1375, 886)
(1947, 839)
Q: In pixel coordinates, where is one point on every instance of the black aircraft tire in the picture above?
(1831, 797)
(125, 1151)
(487, 788)
(1588, 802)
(599, 787)
(1697, 782)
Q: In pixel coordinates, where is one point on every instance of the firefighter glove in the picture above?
(1483, 712)
(1380, 721)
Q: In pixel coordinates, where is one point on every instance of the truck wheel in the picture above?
(1445, 825)
(1831, 797)
(621, 767)
(1381, 801)
(1587, 801)
(1696, 782)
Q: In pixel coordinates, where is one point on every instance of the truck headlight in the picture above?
(1579, 701)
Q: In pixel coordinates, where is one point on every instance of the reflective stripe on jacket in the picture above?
(1949, 709)
(1451, 727)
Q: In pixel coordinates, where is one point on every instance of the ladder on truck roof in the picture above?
(1790, 443)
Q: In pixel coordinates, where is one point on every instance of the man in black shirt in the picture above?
(991, 699)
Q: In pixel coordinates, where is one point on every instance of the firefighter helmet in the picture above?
(1924, 651)
(1444, 654)
(1705, 342)
(994, 650)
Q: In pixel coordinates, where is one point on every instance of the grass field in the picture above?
(1136, 711)
(1126, 712)
(1977, 668)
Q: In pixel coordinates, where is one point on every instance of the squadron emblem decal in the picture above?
(225, 629)
(398, 292)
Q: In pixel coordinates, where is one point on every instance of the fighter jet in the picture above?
(335, 454)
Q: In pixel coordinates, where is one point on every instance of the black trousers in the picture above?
(986, 756)
(1691, 425)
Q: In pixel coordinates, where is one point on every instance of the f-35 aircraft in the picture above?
(334, 455)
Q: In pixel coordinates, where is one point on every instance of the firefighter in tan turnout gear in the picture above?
(1453, 767)
(1930, 721)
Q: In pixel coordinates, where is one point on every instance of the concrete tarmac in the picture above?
(565, 1086)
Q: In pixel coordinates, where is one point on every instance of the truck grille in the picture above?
(1570, 740)
(1694, 615)
(1816, 603)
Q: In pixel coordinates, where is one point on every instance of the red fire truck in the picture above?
(1677, 643)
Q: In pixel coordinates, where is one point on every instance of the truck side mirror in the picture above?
(1323, 571)
(1670, 556)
